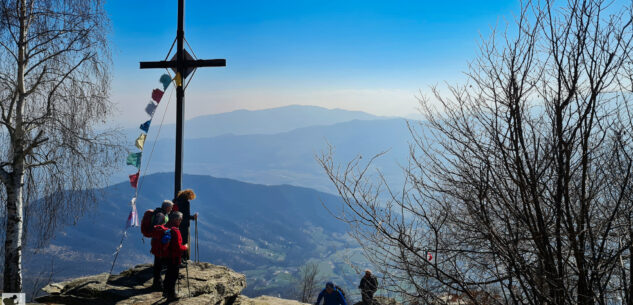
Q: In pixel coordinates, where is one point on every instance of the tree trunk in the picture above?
(13, 242)
(15, 185)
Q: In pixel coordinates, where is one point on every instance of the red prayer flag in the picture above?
(134, 179)
(157, 94)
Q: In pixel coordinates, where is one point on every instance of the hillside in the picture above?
(266, 232)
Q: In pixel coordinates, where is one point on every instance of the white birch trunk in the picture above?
(13, 242)
(15, 185)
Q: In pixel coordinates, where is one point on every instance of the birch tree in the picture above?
(54, 81)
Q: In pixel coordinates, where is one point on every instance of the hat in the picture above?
(329, 284)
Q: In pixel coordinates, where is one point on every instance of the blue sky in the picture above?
(374, 56)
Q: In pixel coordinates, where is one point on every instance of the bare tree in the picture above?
(519, 189)
(54, 81)
(307, 285)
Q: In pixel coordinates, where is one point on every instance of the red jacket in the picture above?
(176, 248)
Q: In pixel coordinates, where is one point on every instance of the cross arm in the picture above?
(187, 64)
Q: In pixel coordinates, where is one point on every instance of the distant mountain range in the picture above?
(282, 157)
(266, 232)
(267, 121)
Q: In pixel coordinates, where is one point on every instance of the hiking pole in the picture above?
(197, 250)
(188, 286)
(188, 256)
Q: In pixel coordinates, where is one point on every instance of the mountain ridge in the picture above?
(289, 157)
(264, 121)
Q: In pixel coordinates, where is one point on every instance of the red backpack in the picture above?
(146, 223)
(161, 240)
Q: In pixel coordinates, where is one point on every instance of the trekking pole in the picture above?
(188, 256)
(188, 286)
(197, 250)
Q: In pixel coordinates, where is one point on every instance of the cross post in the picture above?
(182, 65)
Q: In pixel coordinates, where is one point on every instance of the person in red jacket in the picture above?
(176, 249)
(160, 218)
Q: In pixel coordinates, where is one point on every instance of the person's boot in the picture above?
(157, 285)
(172, 296)
(165, 293)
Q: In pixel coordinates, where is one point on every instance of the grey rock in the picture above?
(209, 284)
(265, 300)
(380, 300)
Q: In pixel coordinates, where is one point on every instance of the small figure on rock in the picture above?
(176, 249)
(368, 286)
(331, 295)
(159, 218)
(181, 204)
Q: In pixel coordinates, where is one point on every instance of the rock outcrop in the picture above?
(265, 300)
(208, 284)
(380, 300)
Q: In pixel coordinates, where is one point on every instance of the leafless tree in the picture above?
(308, 279)
(54, 81)
(519, 184)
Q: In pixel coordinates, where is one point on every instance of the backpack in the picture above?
(146, 223)
(339, 289)
(161, 240)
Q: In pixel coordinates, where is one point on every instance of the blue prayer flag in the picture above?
(165, 80)
(145, 126)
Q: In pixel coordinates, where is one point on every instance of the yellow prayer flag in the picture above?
(140, 141)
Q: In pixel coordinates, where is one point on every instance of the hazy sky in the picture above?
(373, 56)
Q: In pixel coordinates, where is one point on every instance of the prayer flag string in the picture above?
(134, 158)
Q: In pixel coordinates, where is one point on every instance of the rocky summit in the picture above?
(208, 284)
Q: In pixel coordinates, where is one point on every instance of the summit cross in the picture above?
(183, 64)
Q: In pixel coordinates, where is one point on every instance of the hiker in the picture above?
(176, 249)
(331, 295)
(160, 217)
(181, 204)
(368, 286)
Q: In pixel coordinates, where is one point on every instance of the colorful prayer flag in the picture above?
(145, 126)
(140, 141)
(150, 108)
(132, 219)
(134, 179)
(165, 79)
(134, 159)
(157, 94)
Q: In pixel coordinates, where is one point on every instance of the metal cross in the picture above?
(183, 64)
